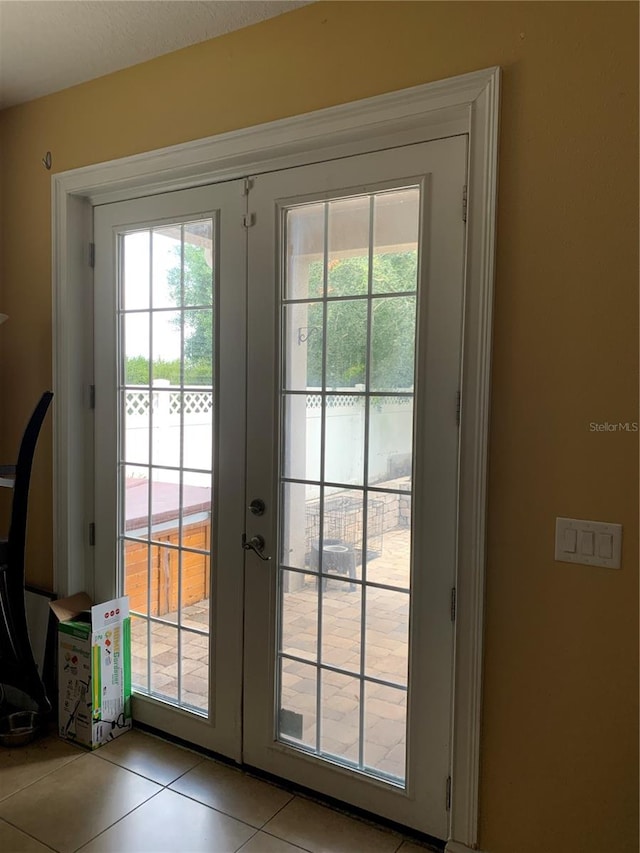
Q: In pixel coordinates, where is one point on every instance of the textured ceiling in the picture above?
(48, 45)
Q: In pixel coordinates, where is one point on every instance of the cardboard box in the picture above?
(94, 669)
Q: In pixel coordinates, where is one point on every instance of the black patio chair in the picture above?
(18, 668)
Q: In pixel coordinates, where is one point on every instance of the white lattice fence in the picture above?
(195, 402)
(138, 401)
(389, 436)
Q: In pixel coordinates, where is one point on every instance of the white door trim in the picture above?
(465, 104)
(457, 847)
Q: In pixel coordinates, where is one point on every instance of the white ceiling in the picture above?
(48, 45)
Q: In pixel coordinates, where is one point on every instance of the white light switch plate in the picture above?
(591, 543)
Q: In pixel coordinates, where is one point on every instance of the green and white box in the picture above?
(94, 669)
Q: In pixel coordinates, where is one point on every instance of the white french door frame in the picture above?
(223, 204)
(467, 104)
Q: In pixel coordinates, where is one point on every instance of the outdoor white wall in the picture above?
(390, 435)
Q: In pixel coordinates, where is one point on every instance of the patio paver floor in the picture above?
(386, 656)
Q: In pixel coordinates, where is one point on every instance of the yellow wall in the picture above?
(559, 742)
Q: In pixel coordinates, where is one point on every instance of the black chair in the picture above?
(18, 668)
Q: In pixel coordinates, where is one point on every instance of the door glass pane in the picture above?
(195, 579)
(390, 440)
(164, 661)
(166, 266)
(340, 716)
(395, 242)
(385, 727)
(197, 284)
(195, 409)
(305, 256)
(136, 504)
(301, 447)
(300, 526)
(341, 628)
(348, 250)
(136, 270)
(139, 656)
(342, 531)
(387, 635)
(299, 702)
(136, 348)
(166, 440)
(389, 536)
(195, 513)
(198, 343)
(136, 405)
(194, 670)
(299, 611)
(346, 344)
(136, 586)
(303, 323)
(393, 340)
(344, 438)
(346, 478)
(166, 347)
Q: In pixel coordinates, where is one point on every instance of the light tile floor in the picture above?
(386, 658)
(140, 794)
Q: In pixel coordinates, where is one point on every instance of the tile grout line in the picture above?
(44, 776)
(286, 840)
(129, 770)
(82, 753)
(213, 808)
(167, 786)
(150, 778)
(334, 809)
(28, 834)
(294, 795)
(203, 758)
(277, 811)
(245, 773)
(244, 843)
(111, 825)
(178, 793)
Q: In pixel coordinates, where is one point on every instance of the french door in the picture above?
(169, 331)
(277, 376)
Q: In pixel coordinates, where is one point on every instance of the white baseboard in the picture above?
(457, 847)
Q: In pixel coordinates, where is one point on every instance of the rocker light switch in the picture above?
(605, 545)
(591, 543)
(570, 540)
(586, 543)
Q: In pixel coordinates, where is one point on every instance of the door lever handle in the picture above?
(255, 544)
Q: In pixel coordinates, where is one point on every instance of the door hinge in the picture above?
(453, 604)
(248, 220)
(92, 534)
(247, 185)
(458, 404)
(448, 794)
(92, 255)
(464, 203)
(92, 396)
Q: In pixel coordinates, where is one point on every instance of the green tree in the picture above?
(392, 322)
(194, 288)
(194, 291)
(137, 370)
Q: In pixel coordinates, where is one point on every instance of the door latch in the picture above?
(257, 506)
(255, 544)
